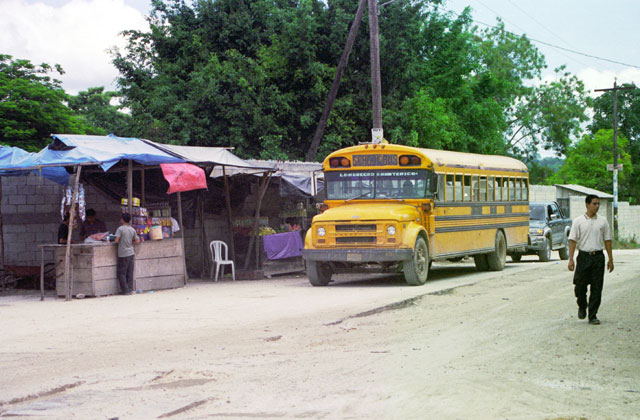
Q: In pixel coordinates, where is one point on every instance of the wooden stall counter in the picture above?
(158, 265)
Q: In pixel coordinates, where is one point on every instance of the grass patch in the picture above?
(625, 244)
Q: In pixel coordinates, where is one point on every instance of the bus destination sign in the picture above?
(375, 160)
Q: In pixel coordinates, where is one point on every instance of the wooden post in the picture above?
(264, 183)
(68, 279)
(203, 236)
(227, 197)
(184, 256)
(130, 185)
(142, 199)
(1, 230)
(41, 273)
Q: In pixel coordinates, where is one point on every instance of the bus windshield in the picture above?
(378, 184)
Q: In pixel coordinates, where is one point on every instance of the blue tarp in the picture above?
(105, 151)
(10, 156)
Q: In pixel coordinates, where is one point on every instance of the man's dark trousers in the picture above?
(125, 274)
(589, 271)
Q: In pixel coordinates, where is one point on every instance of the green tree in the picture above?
(94, 105)
(32, 105)
(549, 116)
(587, 161)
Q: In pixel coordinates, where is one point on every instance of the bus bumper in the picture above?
(357, 255)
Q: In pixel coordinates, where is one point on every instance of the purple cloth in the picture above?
(283, 245)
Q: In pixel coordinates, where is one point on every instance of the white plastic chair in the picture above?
(220, 257)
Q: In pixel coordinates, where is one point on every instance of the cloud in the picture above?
(75, 35)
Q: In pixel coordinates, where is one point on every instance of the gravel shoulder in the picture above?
(504, 345)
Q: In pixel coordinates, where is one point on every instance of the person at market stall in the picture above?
(91, 225)
(126, 237)
(63, 230)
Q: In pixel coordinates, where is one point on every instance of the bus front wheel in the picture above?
(416, 270)
(319, 273)
(498, 258)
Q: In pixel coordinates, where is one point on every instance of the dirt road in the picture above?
(466, 345)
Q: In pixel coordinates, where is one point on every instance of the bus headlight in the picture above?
(321, 231)
(391, 230)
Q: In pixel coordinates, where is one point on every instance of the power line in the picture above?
(551, 45)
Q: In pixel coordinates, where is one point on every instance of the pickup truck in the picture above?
(548, 230)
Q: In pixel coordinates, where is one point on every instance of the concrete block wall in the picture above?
(31, 216)
(542, 193)
(628, 226)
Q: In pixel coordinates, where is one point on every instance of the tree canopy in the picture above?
(32, 104)
(255, 74)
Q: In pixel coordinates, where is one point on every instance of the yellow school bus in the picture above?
(393, 207)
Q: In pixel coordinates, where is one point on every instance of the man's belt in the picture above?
(591, 252)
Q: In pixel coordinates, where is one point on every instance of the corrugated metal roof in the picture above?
(584, 190)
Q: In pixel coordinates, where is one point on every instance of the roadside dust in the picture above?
(467, 345)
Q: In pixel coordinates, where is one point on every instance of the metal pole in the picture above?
(227, 199)
(41, 273)
(615, 160)
(615, 90)
(376, 89)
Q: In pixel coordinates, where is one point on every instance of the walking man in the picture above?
(126, 237)
(590, 234)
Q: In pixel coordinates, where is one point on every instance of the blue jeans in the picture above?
(125, 274)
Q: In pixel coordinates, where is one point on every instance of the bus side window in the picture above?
(467, 188)
(512, 189)
(525, 189)
(476, 188)
(458, 188)
(498, 189)
(519, 189)
(449, 188)
(505, 189)
(440, 193)
(490, 196)
(483, 188)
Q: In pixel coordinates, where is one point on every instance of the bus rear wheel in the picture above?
(498, 258)
(416, 270)
(319, 273)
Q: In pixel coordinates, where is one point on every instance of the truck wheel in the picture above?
(545, 254)
(416, 270)
(498, 258)
(516, 257)
(564, 251)
(319, 273)
(481, 262)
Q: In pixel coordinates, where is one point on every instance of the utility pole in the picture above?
(376, 88)
(615, 90)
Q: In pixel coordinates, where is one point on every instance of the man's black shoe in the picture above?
(594, 321)
(582, 313)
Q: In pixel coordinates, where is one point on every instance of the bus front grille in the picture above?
(356, 240)
(356, 228)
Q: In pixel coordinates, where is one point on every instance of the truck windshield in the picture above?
(380, 184)
(537, 213)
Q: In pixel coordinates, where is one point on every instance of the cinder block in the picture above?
(26, 208)
(18, 199)
(36, 199)
(8, 190)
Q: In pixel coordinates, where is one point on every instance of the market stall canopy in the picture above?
(218, 156)
(13, 155)
(104, 151)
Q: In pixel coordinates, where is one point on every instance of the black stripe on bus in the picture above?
(480, 227)
(479, 217)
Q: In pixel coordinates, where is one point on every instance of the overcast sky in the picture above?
(78, 33)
